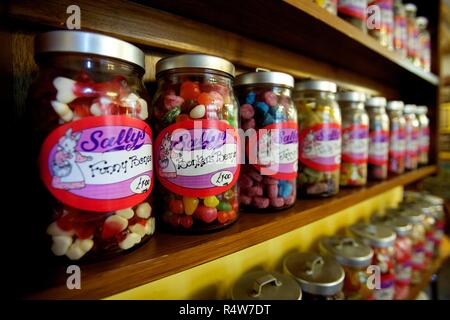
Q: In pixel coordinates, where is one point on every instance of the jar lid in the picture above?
(400, 225)
(376, 102)
(316, 85)
(413, 215)
(421, 110)
(347, 251)
(316, 274)
(88, 43)
(410, 7)
(435, 200)
(265, 77)
(395, 105)
(374, 235)
(410, 108)
(351, 96)
(422, 22)
(263, 285)
(195, 60)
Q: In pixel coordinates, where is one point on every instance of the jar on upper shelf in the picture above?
(319, 121)
(95, 147)
(269, 120)
(197, 145)
(384, 32)
(378, 138)
(424, 44)
(412, 33)
(397, 142)
(354, 12)
(400, 29)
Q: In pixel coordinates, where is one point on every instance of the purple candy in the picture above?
(247, 112)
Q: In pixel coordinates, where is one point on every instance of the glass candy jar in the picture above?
(400, 29)
(354, 12)
(319, 121)
(412, 33)
(424, 134)
(381, 239)
(269, 120)
(197, 146)
(321, 278)
(354, 257)
(411, 137)
(397, 145)
(355, 138)
(95, 154)
(378, 138)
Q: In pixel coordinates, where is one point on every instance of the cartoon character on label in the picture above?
(166, 166)
(66, 172)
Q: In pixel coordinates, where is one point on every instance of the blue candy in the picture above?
(277, 114)
(284, 190)
(268, 119)
(261, 107)
(250, 99)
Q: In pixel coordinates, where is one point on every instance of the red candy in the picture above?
(176, 206)
(205, 214)
(212, 97)
(208, 87)
(189, 90)
(222, 216)
(186, 221)
(269, 180)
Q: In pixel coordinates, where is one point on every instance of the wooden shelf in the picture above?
(166, 254)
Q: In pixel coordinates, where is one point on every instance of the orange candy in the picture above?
(223, 216)
(205, 98)
(189, 90)
(176, 206)
(182, 117)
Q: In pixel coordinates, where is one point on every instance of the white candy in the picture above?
(75, 252)
(139, 229)
(119, 220)
(95, 109)
(144, 210)
(63, 110)
(198, 112)
(150, 226)
(61, 244)
(125, 213)
(144, 109)
(54, 230)
(84, 244)
(130, 240)
(130, 101)
(64, 86)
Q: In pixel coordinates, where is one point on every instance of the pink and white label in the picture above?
(278, 150)
(354, 8)
(379, 147)
(424, 140)
(198, 158)
(412, 141)
(99, 163)
(355, 144)
(320, 146)
(397, 145)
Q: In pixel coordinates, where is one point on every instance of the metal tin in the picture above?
(351, 96)
(195, 60)
(421, 110)
(316, 274)
(395, 105)
(347, 251)
(376, 102)
(263, 285)
(410, 108)
(316, 85)
(265, 77)
(400, 225)
(376, 236)
(88, 43)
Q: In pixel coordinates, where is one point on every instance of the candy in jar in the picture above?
(319, 121)
(412, 33)
(397, 143)
(269, 120)
(411, 137)
(320, 277)
(378, 138)
(354, 11)
(95, 155)
(424, 43)
(400, 29)
(355, 138)
(424, 134)
(354, 257)
(437, 205)
(384, 34)
(381, 239)
(197, 145)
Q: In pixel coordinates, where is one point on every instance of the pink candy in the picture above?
(171, 101)
(246, 200)
(261, 202)
(255, 176)
(277, 202)
(269, 180)
(245, 181)
(270, 98)
(272, 190)
(249, 124)
(247, 112)
(289, 200)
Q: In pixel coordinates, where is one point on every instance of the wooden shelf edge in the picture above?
(167, 254)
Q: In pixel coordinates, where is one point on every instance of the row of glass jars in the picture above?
(374, 261)
(97, 158)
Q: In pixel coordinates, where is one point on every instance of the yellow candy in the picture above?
(190, 205)
(211, 201)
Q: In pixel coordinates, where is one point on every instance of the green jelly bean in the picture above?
(224, 206)
(170, 116)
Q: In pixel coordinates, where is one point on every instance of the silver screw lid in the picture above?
(347, 251)
(400, 225)
(421, 110)
(351, 96)
(195, 60)
(374, 235)
(422, 22)
(316, 274)
(410, 108)
(263, 285)
(88, 43)
(262, 76)
(376, 102)
(410, 7)
(412, 214)
(316, 85)
(395, 105)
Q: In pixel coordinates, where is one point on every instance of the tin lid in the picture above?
(374, 235)
(413, 215)
(410, 108)
(435, 200)
(421, 110)
(400, 225)
(195, 60)
(422, 22)
(316, 85)
(376, 102)
(395, 105)
(351, 96)
(411, 7)
(88, 43)
(347, 251)
(316, 274)
(263, 285)
(262, 76)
